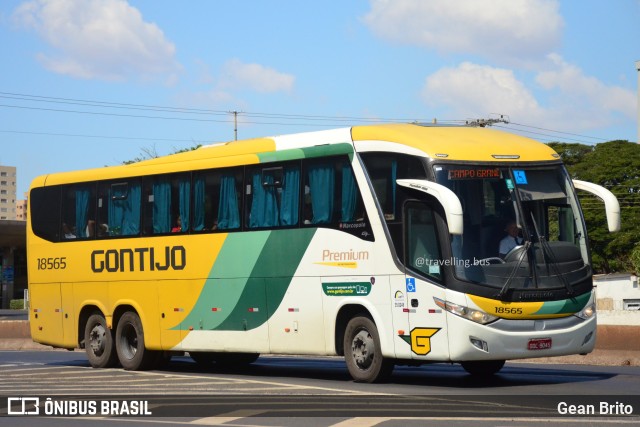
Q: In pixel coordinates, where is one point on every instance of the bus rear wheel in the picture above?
(99, 343)
(130, 347)
(362, 352)
(483, 368)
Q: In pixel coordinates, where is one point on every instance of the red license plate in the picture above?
(539, 344)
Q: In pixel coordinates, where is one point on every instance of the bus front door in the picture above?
(427, 334)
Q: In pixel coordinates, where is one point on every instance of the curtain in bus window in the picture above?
(290, 198)
(161, 206)
(321, 183)
(228, 212)
(349, 194)
(184, 187)
(264, 205)
(82, 212)
(124, 209)
(198, 204)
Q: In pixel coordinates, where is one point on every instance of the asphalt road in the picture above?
(310, 392)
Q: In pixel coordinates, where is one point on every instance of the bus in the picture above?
(378, 243)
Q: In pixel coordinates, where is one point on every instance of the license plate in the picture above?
(539, 344)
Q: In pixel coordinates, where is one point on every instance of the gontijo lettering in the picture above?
(139, 259)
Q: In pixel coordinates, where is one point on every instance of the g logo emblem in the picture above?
(421, 340)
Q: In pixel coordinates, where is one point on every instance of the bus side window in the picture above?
(166, 207)
(273, 196)
(332, 197)
(119, 209)
(216, 200)
(78, 208)
(45, 212)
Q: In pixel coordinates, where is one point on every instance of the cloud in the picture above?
(508, 30)
(99, 39)
(570, 81)
(236, 74)
(234, 81)
(576, 101)
(474, 91)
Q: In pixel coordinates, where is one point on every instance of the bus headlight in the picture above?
(588, 312)
(466, 312)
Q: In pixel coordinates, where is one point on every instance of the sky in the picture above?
(92, 83)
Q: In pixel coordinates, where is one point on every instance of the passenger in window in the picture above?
(68, 233)
(102, 229)
(511, 240)
(178, 227)
(90, 231)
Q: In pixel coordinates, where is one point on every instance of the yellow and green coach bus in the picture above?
(384, 244)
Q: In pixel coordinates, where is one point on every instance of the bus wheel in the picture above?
(98, 342)
(483, 368)
(362, 352)
(130, 344)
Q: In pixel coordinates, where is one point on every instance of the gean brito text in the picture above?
(139, 259)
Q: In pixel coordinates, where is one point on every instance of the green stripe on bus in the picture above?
(225, 284)
(306, 153)
(572, 305)
(270, 279)
(244, 303)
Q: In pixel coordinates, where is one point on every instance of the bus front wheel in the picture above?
(98, 342)
(132, 354)
(483, 368)
(362, 352)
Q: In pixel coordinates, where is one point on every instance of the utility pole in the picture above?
(235, 124)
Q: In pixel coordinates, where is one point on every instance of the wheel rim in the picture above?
(363, 349)
(97, 338)
(129, 341)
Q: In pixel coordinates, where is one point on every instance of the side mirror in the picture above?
(611, 205)
(447, 198)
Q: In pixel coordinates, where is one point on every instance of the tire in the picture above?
(132, 354)
(483, 368)
(99, 342)
(362, 352)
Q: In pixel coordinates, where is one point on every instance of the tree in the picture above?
(635, 259)
(616, 166)
(147, 153)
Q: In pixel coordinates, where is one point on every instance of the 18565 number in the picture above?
(52, 263)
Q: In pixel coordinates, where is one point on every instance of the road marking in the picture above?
(283, 385)
(228, 417)
(362, 422)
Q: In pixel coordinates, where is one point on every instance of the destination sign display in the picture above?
(474, 173)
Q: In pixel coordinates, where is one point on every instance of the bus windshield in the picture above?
(523, 228)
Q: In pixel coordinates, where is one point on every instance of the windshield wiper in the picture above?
(506, 287)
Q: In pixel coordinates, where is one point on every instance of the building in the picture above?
(7, 193)
(21, 209)
(618, 299)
